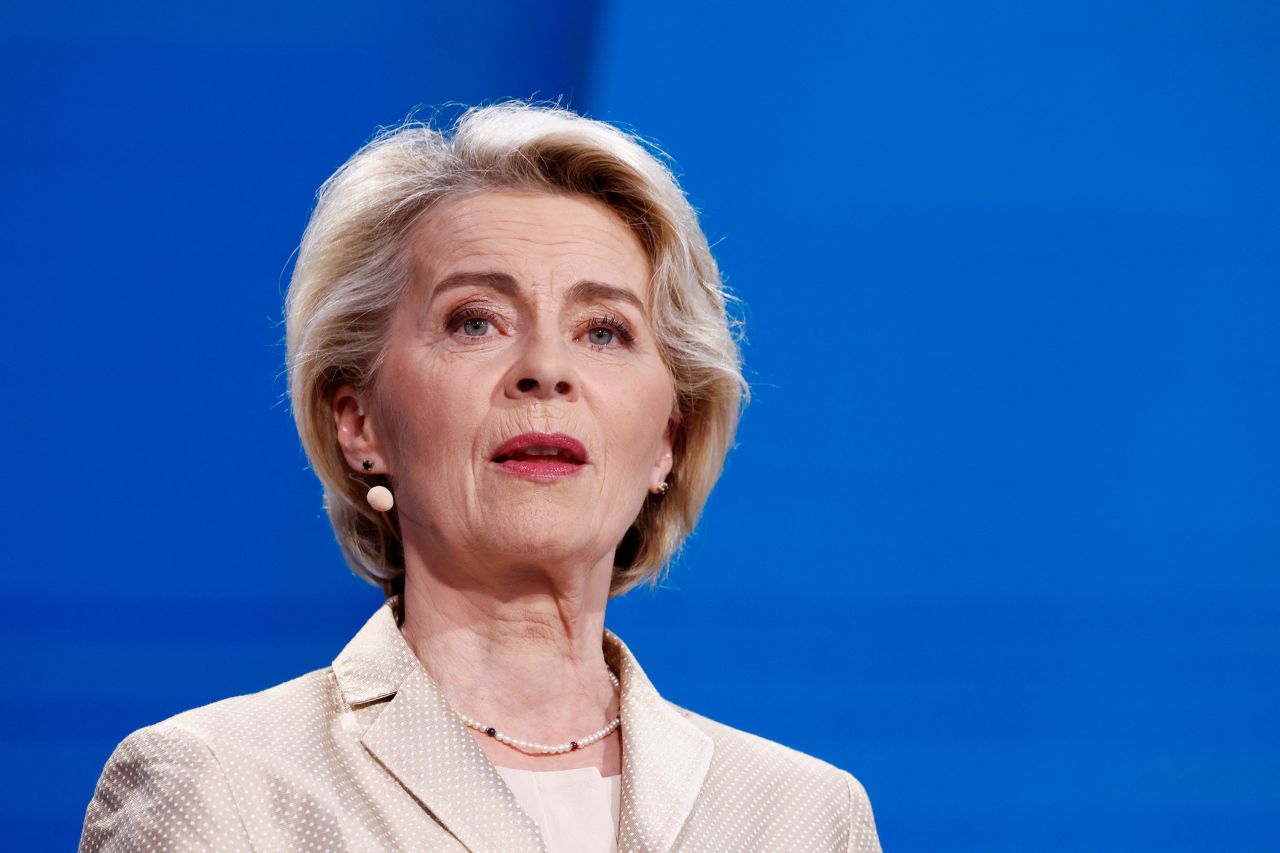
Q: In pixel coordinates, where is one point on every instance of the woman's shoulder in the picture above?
(291, 702)
(740, 753)
(269, 721)
(799, 800)
(172, 781)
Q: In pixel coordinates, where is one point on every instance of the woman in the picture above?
(512, 369)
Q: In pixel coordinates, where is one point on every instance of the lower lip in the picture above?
(539, 470)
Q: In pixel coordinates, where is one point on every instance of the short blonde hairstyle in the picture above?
(354, 265)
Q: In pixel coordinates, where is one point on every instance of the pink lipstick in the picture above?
(541, 456)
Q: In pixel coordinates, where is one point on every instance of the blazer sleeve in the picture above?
(862, 823)
(163, 789)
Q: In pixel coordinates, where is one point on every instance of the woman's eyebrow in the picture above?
(583, 291)
(499, 281)
(594, 291)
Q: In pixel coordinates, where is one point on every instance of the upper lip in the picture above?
(567, 444)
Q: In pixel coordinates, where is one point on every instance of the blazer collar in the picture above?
(423, 742)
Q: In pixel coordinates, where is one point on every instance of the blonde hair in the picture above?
(354, 265)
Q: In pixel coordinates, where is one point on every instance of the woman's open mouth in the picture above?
(541, 456)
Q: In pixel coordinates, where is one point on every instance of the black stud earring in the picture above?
(367, 465)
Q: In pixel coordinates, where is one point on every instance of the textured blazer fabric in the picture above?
(367, 755)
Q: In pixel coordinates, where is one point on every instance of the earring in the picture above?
(366, 465)
(380, 498)
(662, 490)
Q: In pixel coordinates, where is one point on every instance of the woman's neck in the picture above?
(519, 648)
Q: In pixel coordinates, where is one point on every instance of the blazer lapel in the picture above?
(665, 758)
(422, 741)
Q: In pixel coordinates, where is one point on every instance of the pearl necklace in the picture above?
(548, 748)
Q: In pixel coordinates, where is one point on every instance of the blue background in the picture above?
(1002, 530)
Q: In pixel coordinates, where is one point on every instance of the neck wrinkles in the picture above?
(519, 648)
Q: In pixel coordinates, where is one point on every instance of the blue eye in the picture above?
(605, 331)
(474, 321)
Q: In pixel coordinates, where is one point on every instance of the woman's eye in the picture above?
(600, 336)
(609, 332)
(473, 322)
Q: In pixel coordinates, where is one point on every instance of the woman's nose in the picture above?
(528, 384)
(543, 371)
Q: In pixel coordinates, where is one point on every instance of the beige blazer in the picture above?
(367, 755)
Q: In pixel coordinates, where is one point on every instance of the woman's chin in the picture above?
(521, 539)
(552, 537)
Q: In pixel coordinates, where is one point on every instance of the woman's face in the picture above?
(526, 315)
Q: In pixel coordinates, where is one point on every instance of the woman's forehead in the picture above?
(528, 235)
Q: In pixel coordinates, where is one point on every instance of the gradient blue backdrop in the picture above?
(1001, 533)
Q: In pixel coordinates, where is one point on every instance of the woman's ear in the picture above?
(662, 469)
(356, 434)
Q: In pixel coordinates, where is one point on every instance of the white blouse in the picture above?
(577, 810)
